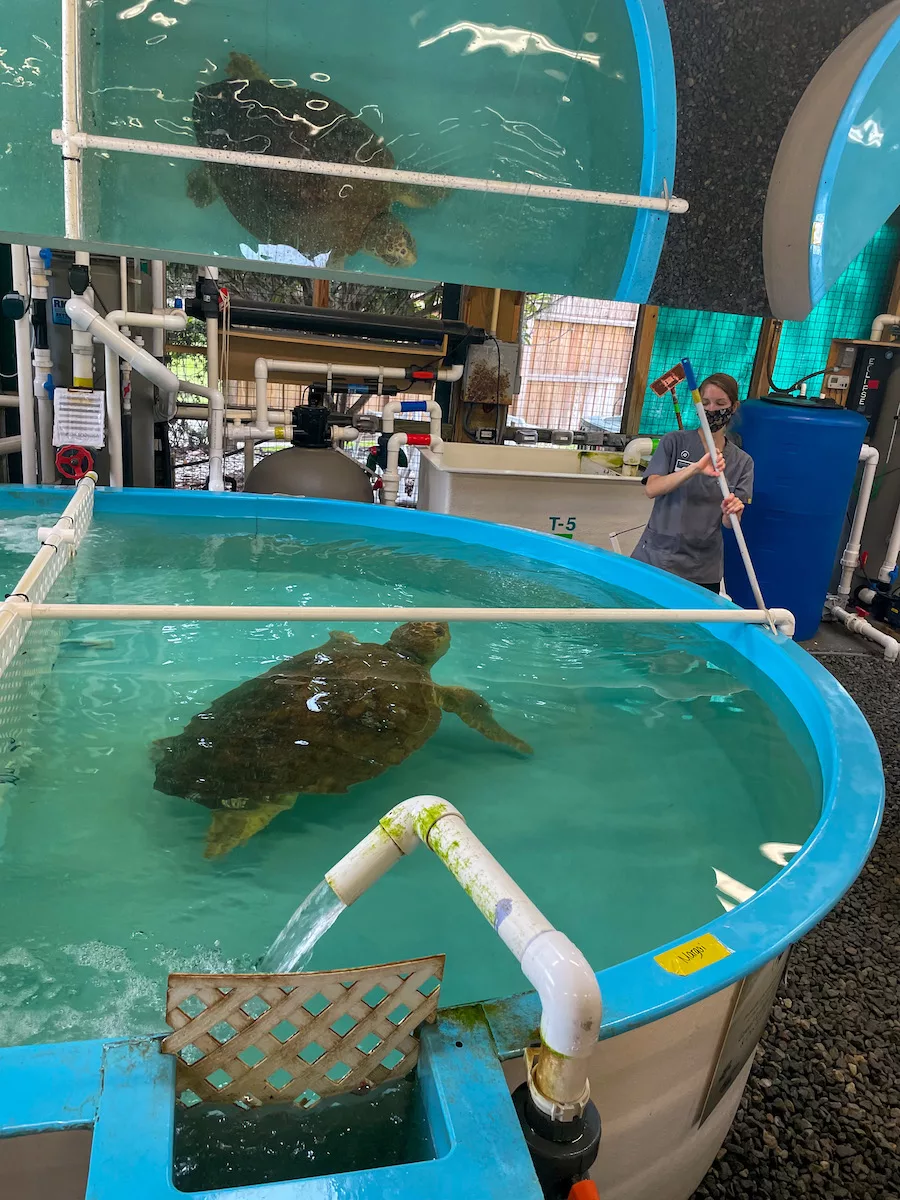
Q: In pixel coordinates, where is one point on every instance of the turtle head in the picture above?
(242, 66)
(422, 642)
(388, 239)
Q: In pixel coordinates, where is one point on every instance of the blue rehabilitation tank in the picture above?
(805, 458)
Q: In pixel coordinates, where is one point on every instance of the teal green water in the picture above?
(652, 770)
(533, 92)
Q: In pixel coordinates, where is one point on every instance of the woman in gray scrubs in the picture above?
(684, 534)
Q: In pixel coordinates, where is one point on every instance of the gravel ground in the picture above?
(821, 1115)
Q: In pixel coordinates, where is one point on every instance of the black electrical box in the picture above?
(868, 384)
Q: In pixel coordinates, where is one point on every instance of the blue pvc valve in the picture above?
(179, 303)
(47, 257)
(689, 374)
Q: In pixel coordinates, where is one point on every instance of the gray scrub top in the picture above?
(684, 534)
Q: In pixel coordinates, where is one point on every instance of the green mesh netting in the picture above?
(848, 311)
(719, 342)
(713, 342)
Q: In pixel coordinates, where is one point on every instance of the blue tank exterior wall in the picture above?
(805, 460)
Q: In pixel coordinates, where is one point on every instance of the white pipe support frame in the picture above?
(391, 488)
(881, 323)
(865, 629)
(868, 456)
(27, 430)
(567, 986)
(70, 57)
(783, 619)
(75, 140)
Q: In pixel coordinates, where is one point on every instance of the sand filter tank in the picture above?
(805, 457)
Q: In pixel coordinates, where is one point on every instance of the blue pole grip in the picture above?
(689, 374)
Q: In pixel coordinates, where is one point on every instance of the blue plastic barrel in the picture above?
(805, 460)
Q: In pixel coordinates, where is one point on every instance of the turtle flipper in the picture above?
(200, 187)
(232, 827)
(475, 711)
(417, 196)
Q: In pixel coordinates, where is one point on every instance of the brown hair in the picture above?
(725, 383)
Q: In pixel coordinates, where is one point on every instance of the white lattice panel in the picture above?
(258, 1039)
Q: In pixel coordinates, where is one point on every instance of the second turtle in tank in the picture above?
(318, 724)
(315, 214)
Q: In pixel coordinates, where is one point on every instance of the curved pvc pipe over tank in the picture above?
(566, 984)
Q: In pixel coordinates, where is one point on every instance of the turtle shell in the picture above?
(314, 213)
(319, 723)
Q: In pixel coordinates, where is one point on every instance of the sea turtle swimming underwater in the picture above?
(318, 723)
(315, 214)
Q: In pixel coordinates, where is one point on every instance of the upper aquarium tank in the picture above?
(573, 97)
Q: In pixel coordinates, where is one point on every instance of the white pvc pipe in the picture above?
(264, 366)
(24, 371)
(882, 322)
(308, 166)
(394, 407)
(114, 418)
(71, 120)
(571, 1005)
(82, 344)
(850, 558)
(783, 619)
(391, 487)
(85, 318)
(11, 445)
(118, 319)
(216, 431)
(43, 366)
(886, 574)
(859, 625)
(636, 450)
(158, 286)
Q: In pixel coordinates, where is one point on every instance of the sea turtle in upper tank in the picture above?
(318, 723)
(315, 214)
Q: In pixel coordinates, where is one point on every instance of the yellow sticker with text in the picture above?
(693, 956)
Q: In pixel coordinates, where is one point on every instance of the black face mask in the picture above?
(720, 419)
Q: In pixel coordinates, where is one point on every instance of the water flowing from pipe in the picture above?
(293, 947)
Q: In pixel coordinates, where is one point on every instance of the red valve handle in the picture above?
(74, 462)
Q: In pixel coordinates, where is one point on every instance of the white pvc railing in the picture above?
(783, 620)
(74, 140)
(23, 675)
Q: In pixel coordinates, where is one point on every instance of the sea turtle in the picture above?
(315, 214)
(318, 723)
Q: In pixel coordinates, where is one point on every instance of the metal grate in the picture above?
(575, 362)
(848, 311)
(713, 342)
(258, 1039)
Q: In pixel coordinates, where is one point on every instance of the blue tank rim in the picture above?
(819, 283)
(659, 103)
(638, 991)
